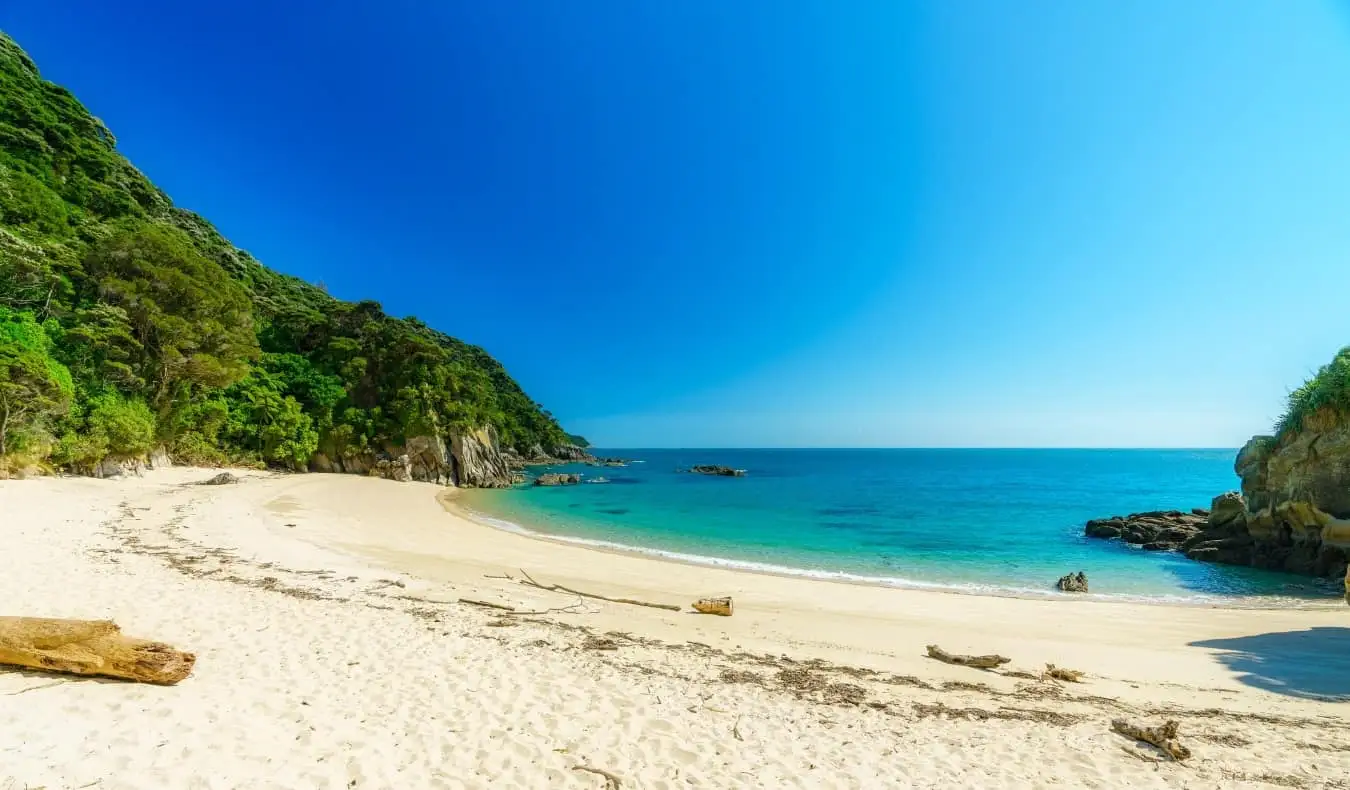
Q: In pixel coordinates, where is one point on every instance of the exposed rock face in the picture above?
(159, 458)
(472, 459)
(555, 479)
(1297, 491)
(570, 452)
(114, 467)
(476, 460)
(719, 471)
(1074, 582)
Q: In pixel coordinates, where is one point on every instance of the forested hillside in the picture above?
(127, 323)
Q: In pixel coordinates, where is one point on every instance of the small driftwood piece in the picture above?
(1164, 737)
(530, 582)
(488, 604)
(89, 647)
(612, 782)
(720, 606)
(979, 662)
(1060, 673)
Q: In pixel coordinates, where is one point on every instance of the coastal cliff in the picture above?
(1293, 512)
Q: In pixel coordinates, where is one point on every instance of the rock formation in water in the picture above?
(716, 470)
(556, 479)
(1073, 582)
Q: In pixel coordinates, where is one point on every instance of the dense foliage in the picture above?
(126, 323)
(1328, 390)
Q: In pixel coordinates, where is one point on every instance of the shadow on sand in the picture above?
(1313, 664)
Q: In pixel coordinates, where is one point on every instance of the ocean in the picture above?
(982, 521)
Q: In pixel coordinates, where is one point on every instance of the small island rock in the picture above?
(1074, 582)
(716, 470)
(557, 479)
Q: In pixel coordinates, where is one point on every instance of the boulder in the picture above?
(398, 469)
(1073, 582)
(557, 479)
(222, 479)
(1228, 508)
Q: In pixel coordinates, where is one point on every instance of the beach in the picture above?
(342, 641)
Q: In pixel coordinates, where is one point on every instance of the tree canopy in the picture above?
(127, 322)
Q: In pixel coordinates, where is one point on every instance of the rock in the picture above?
(570, 452)
(556, 479)
(1228, 508)
(159, 458)
(1074, 582)
(222, 479)
(398, 469)
(477, 460)
(718, 471)
(1155, 530)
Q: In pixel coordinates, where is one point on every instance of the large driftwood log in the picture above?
(979, 662)
(89, 647)
(1164, 737)
(720, 606)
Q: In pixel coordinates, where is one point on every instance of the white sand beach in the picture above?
(334, 652)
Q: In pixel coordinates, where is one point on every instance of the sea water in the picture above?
(990, 521)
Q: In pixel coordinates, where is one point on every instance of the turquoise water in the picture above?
(979, 520)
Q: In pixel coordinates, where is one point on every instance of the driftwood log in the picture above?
(1063, 673)
(979, 662)
(89, 647)
(720, 606)
(1164, 737)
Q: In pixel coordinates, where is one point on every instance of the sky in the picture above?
(759, 223)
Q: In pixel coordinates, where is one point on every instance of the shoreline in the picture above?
(342, 641)
(450, 501)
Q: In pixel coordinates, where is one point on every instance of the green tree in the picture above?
(191, 321)
(33, 386)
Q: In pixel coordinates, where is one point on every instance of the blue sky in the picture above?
(783, 224)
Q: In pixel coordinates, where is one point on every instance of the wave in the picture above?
(897, 582)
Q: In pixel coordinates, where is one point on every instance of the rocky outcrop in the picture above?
(1156, 530)
(570, 452)
(476, 460)
(1297, 492)
(1073, 582)
(1292, 514)
(717, 471)
(556, 479)
(471, 459)
(113, 466)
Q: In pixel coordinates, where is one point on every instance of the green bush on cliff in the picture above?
(141, 324)
(1329, 390)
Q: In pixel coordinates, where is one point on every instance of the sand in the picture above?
(334, 652)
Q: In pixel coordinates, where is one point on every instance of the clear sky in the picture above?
(780, 223)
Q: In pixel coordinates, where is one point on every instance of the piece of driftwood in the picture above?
(612, 782)
(1164, 737)
(979, 662)
(720, 606)
(1060, 673)
(488, 604)
(89, 647)
(530, 582)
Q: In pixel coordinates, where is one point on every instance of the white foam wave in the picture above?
(899, 582)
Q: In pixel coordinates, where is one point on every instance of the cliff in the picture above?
(1296, 491)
